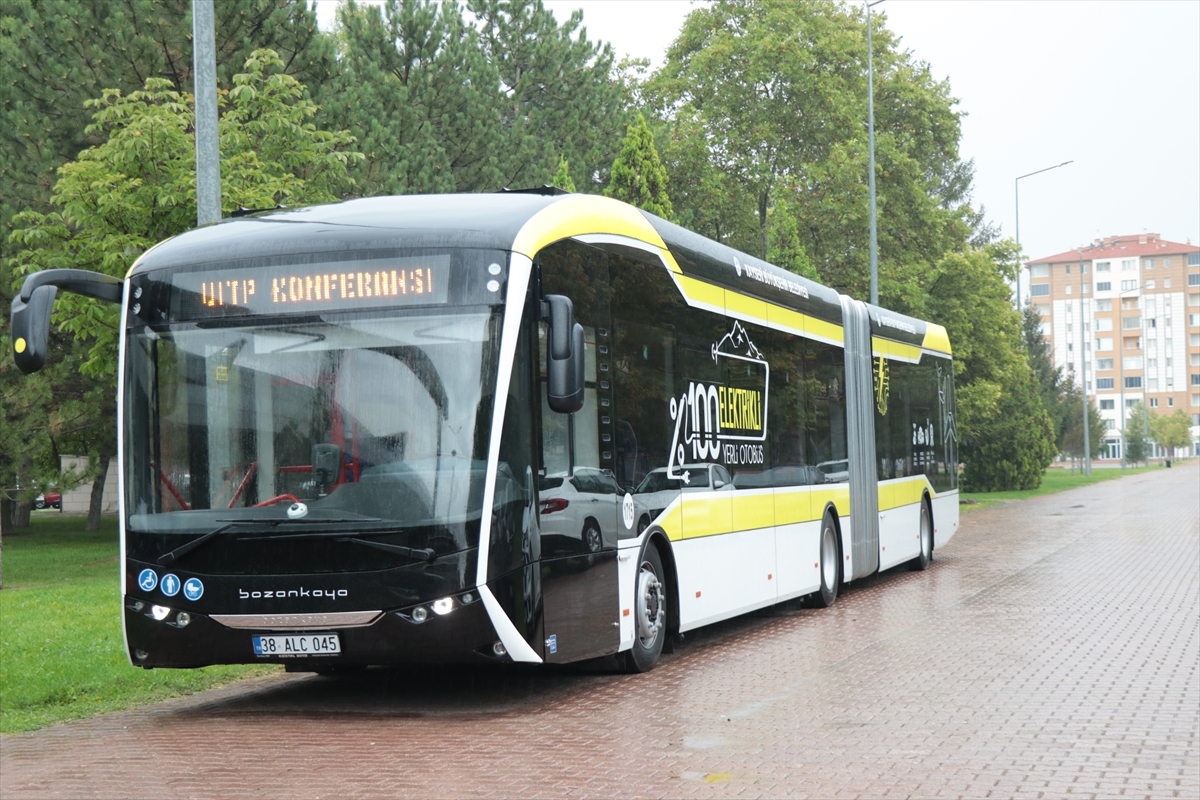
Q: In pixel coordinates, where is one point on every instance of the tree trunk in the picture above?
(21, 515)
(97, 499)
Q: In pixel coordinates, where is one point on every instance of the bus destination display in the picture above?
(324, 286)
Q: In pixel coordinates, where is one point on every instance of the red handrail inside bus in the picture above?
(241, 486)
(276, 499)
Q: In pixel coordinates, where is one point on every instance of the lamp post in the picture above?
(871, 159)
(208, 156)
(1017, 196)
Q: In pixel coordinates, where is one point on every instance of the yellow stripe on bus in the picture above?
(769, 315)
(898, 350)
(693, 517)
(579, 214)
(905, 492)
(936, 339)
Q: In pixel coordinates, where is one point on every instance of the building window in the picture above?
(1133, 344)
(1108, 405)
(1195, 359)
(1039, 290)
(1104, 324)
(1104, 363)
(1068, 288)
(1194, 340)
(1128, 286)
(1103, 286)
(1103, 266)
(1153, 402)
(1194, 277)
(1133, 382)
(1104, 383)
(1103, 305)
(1171, 402)
(1129, 265)
(1104, 344)
(1131, 323)
(1150, 284)
(1071, 348)
(1194, 299)
(1196, 379)
(1193, 320)
(1066, 269)
(1130, 403)
(1087, 287)
(1131, 362)
(1166, 283)
(1152, 324)
(1148, 263)
(1168, 362)
(1152, 363)
(1193, 260)
(1151, 384)
(1110, 424)
(1039, 271)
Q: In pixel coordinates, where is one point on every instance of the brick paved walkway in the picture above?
(1053, 649)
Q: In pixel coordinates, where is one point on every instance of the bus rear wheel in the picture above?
(926, 533)
(830, 565)
(650, 613)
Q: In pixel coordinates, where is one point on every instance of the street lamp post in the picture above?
(1017, 196)
(871, 159)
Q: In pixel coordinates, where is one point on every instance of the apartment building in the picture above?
(1128, 306)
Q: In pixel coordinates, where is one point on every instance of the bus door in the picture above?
(579, 500)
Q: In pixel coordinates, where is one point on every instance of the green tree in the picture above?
(136, 188)
(139, 186)
(56, 54)
(442, 104)
(1137, 437)
(1006, 436)
(1172, 431)
(637, 176)
(771, 96)
(1070, 439)
(562, 178)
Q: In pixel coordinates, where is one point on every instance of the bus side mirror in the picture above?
(31, 328)
(564, 355)
(33, 305)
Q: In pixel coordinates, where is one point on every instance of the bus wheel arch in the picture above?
(925, 534)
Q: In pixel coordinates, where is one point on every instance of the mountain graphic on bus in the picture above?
(710, 417)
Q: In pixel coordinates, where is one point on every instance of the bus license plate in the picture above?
(298, 644)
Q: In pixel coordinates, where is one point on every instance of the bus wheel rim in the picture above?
(828, 557)
(649, 605)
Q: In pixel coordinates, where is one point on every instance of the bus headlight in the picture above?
(159, 612)
(419, 614)
(444, 606)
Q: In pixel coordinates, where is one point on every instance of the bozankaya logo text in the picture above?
(277, 594)
(716, 422)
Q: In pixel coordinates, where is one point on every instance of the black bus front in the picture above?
(305, 445)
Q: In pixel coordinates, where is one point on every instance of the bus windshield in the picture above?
(356, 417)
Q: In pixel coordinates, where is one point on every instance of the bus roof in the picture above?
(524, 222)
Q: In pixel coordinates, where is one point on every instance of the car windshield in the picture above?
(382, 419)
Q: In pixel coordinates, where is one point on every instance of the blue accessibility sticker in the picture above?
(147, 580)
(193, 589)
(553, 642)
(170, 585)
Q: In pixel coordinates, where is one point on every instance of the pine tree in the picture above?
(637, 175)
(562, 178)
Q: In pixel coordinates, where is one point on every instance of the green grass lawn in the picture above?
(61, 650)
(1053, 480)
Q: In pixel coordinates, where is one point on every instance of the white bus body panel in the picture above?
(725, 575)
(945, 518)
(899, 535)
(798, 553)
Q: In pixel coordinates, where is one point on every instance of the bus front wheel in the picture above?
(650, 608)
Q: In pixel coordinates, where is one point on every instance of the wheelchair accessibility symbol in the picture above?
(147, 580)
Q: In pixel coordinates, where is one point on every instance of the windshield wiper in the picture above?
(200, 541)
(355, 537)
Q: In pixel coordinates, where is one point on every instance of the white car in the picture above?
(835, 471)
(578, 512)
(657, 491)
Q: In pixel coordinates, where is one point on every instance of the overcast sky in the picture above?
(1112, 86)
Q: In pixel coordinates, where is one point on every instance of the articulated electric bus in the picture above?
(527, 426)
